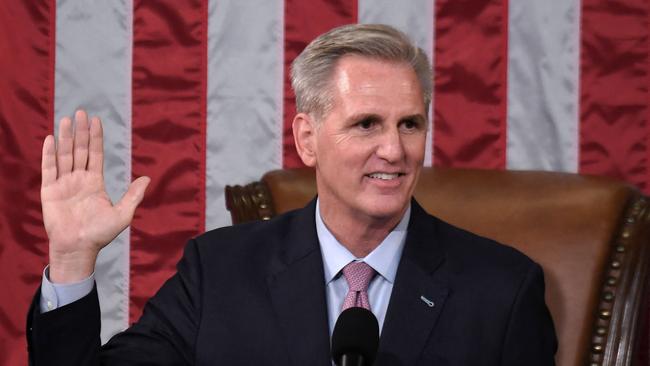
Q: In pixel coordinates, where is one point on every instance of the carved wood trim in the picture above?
(250, 202)
(617, 324)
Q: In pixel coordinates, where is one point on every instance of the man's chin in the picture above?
(386, 211)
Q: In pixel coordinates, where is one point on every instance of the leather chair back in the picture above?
(589, 234)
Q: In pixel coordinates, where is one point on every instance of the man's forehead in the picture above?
(361, 71)
(372, 78)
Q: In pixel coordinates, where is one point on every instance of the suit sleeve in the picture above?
(164, 335)
(530, 338)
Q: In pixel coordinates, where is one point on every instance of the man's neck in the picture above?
(357, 233)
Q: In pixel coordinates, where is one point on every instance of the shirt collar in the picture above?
(384, 259)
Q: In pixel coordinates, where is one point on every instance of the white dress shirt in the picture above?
(384, 259)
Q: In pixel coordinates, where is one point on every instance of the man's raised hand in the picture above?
(79, 217)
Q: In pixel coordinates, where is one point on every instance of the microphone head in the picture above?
(356, 332)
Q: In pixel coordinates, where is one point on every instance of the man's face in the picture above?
(369, 149)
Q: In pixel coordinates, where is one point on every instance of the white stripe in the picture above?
(543, 79)
(415, 18)
(429, 158)
(245, 68)
(93, 71)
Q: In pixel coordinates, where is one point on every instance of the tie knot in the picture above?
(358, 275)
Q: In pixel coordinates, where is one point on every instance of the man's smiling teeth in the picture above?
(384, 176)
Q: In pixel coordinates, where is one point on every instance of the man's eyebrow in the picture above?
(414, 117)
(376, 117)
(363, 116)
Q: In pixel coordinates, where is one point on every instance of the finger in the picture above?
(96, 146)
(48, 162)
(64, 147)
(80, 140)
(131, 199)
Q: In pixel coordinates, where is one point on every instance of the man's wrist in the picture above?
(71, 267)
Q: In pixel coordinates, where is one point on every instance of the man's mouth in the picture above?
(385, 176)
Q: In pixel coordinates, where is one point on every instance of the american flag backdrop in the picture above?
(195, 94)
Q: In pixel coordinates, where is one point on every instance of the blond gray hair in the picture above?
(311, 71)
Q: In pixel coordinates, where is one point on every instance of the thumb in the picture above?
(132, 198)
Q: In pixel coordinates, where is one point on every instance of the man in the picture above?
(270, 292)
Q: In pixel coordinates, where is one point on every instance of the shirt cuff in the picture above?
(55, 295)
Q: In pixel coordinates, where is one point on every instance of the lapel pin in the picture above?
(427, 301)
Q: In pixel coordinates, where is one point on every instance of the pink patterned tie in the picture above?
(358, 275)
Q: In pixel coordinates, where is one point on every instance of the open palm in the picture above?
(79, 217)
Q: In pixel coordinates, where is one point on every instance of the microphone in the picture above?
(355, 338)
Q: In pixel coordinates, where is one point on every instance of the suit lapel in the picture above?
(297, 288)
(418, 295)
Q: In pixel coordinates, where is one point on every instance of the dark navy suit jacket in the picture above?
(254, 294)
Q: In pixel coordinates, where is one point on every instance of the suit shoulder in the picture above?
(470, 250)
(254, 235)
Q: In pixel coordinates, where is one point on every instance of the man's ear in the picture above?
(304, 137)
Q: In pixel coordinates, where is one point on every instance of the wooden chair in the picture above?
(589, 234)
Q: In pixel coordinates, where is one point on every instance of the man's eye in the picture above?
(410, 124)
(366, 124)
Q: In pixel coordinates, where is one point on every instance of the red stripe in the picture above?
(470, 83)
(168, 137)
(304, 21)
(26, 105)
(614, 113)
(614, 94)
(204, 116)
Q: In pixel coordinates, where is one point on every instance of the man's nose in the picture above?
(390, 146)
